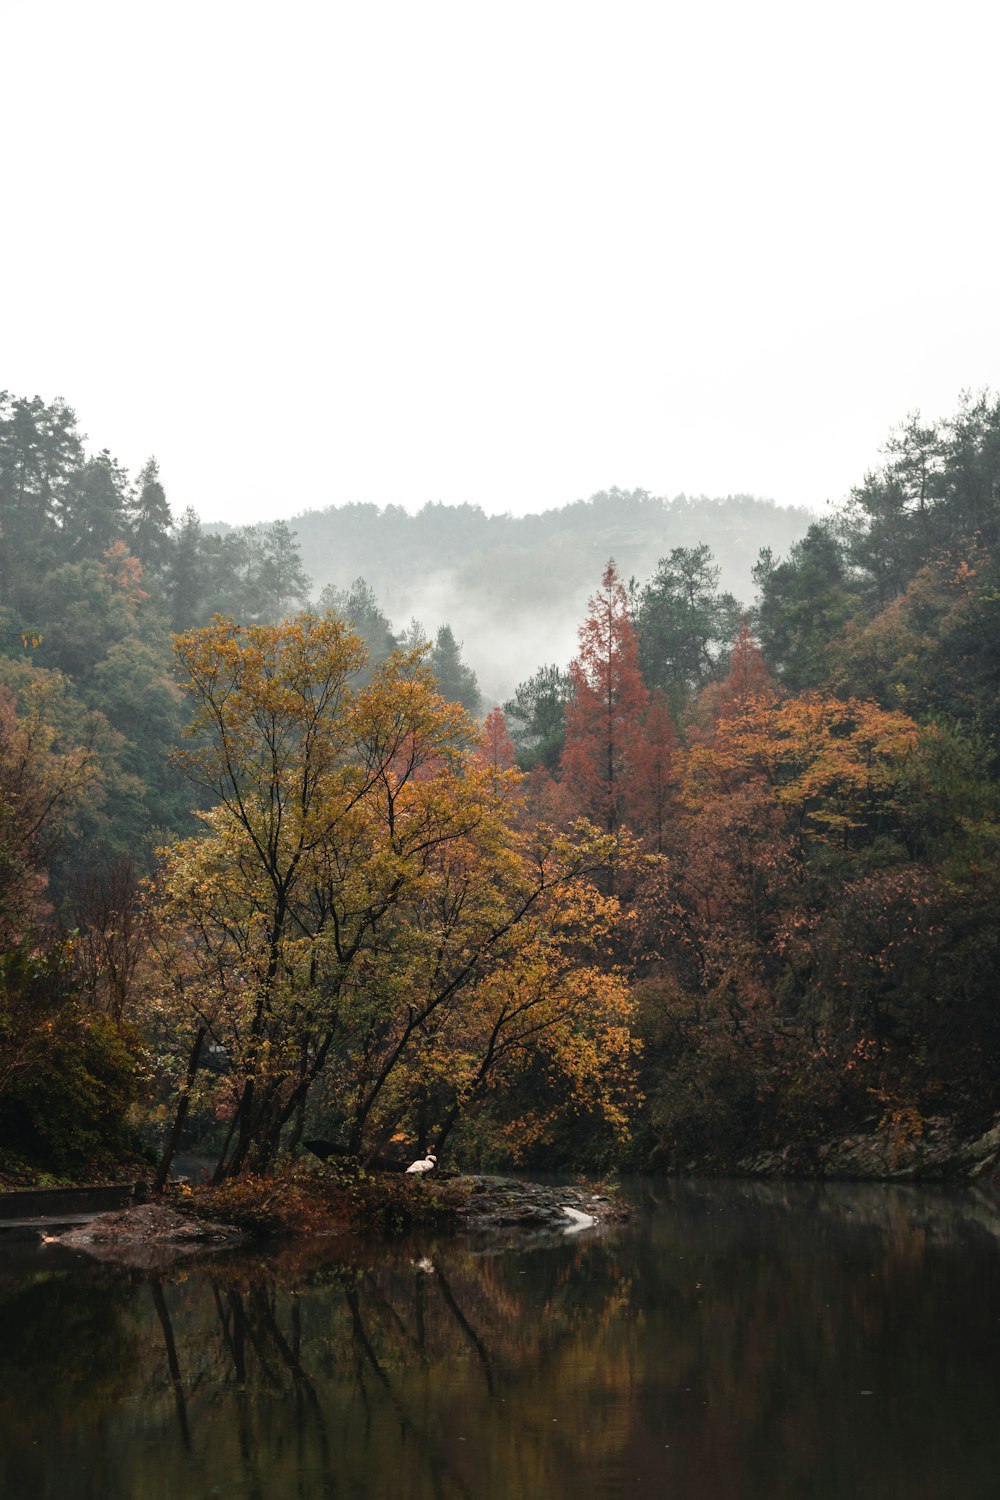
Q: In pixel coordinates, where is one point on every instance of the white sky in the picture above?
(511, 254)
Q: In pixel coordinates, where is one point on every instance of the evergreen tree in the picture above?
(456, 680)
(536, 717)
(150, 520)
(804, 604)
(94, 508)
(276, 579)
(41, 452)
(684, 622)
(185, 579)
(360, 609)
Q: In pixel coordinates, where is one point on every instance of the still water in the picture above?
(734, 1341)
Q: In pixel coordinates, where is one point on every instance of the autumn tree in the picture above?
(605, 713)
(357, 892)
(731, 696)
(653, 773)
(788, 1000)
(41, 784)
(496, 748)
(67, 1075)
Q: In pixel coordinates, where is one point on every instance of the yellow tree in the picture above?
(358, 883)
(834, 767)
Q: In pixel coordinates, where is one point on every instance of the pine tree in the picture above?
(360, 608)
(94, 510)
(536, 717)
(149, 520)
(41, 452)
(456, 680)
(185, 583)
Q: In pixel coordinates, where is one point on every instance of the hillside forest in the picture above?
(719, 889)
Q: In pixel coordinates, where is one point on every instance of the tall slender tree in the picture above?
(652, 784)
(40, 453)
(604, 716)
(150, 520)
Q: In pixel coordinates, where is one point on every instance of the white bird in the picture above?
(426, 1164)
(579, 1220)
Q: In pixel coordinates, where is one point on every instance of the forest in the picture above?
(715, 893)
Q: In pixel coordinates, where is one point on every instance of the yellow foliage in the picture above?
(360, 904)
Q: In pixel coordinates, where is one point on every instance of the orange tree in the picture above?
(797, 925)
(604, 716)
(360, 898)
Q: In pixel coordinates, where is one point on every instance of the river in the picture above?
(733, 1341)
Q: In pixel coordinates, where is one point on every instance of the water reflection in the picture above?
(734, 1340)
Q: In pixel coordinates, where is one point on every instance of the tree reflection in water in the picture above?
(718, 1346)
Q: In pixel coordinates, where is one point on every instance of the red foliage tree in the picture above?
(746, 680)
(496, 748)
(652, 782)
(604, 717)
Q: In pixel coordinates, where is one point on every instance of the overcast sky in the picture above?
(508, 254)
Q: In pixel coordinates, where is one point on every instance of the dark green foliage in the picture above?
(937, 492)
(685, 623)
(187, 573)
(253, 574)
(536, 718)
(95, 508)
(40, 453)
(67, 1076)
(149, 521)
(275, 576)
(804, 605)
(456, 680)
(789, 986)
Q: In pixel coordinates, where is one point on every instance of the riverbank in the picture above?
(904, 1148)
(329, 1204)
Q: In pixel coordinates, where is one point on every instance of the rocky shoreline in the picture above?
(508, 1203)
(924, 1150)
(151, 1235)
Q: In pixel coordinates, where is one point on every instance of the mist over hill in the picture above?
(514, 588)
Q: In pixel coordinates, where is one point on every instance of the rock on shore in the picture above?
(147, 1236)
(932, 1151)
(506, 1203)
